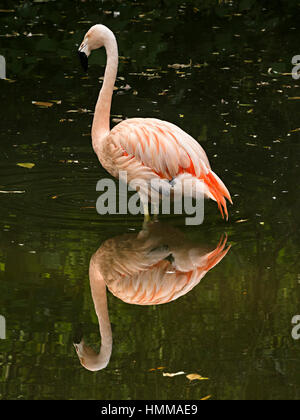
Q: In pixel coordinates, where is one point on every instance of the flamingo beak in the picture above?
(84, 60)
(83, 56)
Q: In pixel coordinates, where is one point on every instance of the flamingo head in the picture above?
(89, 359)
(86, 355)
(96, 37)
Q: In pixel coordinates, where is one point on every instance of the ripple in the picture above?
(59, 195)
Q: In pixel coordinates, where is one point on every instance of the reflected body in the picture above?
(154, 267)
(147, 149)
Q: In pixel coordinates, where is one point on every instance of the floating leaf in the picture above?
(80, 110)
(196, 376)
(180, 66)
(199, 66)
(171, 375)
(26, 165)
(43, 104)
(208, 397)
(158, 368)
(12, 192)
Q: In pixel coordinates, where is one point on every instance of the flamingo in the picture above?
(156, 266)
(145, 148)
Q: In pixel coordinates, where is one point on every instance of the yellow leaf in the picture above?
(43, 104)
(242, 221)
(208, 397)
(194, 376)
(158, 368)
(26, 165)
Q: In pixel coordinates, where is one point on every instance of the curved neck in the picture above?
(98, 288)
(101, 123)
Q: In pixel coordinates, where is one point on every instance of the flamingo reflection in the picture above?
(155, 266)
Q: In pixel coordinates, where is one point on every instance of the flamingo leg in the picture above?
(147, 218)
(155, 211)
(146, 212)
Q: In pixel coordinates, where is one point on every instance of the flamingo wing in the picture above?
(163, 282)
(169, 152)
(162, 146)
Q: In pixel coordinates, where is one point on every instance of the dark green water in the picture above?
(238, 98)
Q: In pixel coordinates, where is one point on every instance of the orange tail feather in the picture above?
(218, 191)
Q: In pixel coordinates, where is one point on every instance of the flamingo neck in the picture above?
(101, 123)
(98, 288)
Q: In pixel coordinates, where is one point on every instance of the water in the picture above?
(222, 73)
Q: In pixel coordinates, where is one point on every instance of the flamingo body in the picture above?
(148, 148)
(140, 272)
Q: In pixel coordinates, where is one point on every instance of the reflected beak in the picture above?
(79, 346)
(83, 56)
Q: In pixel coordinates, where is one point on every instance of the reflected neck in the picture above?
(98, 289)
(101, 122)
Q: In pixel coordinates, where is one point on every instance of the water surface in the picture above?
(222, 73)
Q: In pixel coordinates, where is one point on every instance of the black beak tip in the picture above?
(84, 60)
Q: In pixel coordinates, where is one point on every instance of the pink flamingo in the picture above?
(146, 148)
(156, 266)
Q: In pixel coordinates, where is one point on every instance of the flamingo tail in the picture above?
(218, 192)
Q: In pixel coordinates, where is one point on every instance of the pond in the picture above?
(221, 71)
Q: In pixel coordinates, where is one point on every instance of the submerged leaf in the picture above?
(196, 376)
(26, 165)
